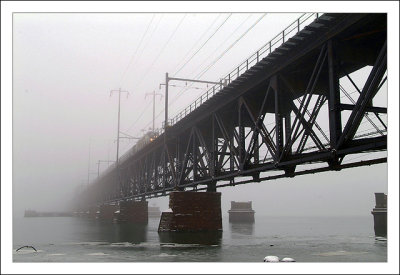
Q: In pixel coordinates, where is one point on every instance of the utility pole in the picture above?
(166, 103)
(154, 94)
(88, 173)
(119, 114)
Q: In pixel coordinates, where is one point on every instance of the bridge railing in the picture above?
(294, 28)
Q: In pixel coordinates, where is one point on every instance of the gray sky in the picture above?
(66, 64)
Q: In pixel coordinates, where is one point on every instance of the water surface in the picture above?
(306, 239)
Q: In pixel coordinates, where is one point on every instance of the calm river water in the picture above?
(306, 239)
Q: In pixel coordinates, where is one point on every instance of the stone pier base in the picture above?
(106, 212)
(133, 212)
(192, 211)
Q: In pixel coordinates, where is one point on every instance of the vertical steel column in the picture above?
(164, 164)
(278, 116)
(178, 159)
(194, 152)
(166, 102)
(231, 136)
(335, 121)
(155, 165)
(241, 141)
(211, 187)
(214, 148)
(256, 148)
(288, 129)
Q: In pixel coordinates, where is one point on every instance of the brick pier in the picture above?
(106, 212)
(133, 212)
(192, 211)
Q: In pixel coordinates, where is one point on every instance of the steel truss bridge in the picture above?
(282, 108)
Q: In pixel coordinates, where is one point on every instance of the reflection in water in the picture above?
(133, 233)
(242, 228)
(203, 238)
(115, 233)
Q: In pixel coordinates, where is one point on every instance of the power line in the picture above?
(189, 51)
(162, 50)
(137, 119)
(203, 44)
(233, 44)
(219, 57)
(198, 76)
(137, 48)
(197, 41)
(151, 35)
(219, 46)
(140, 54)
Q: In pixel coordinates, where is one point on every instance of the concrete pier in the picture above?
(133, 212)
(241, 212)
(380, 214)
(192, 211)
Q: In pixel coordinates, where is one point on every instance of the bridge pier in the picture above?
(380, 214)
(106, 212)
(91, 212)
(241, 212)
(192, 211)
(133, 212)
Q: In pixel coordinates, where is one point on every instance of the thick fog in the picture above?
(65, 121)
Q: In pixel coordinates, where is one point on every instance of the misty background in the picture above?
(65, 121)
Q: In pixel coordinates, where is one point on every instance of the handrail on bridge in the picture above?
(264, 51)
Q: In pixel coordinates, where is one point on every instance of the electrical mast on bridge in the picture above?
(119, 114)
(154, 94)
(168, 79)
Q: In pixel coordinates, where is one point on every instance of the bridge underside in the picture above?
(292, 108)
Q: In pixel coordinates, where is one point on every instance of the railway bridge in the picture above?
(285, 111)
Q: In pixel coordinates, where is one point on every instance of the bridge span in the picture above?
(285, 108)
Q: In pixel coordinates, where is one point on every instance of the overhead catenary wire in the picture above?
(220, 56)
(201, 47)
(190, 50)
(137, 48)
(137, 119)
(151, 36)
(145, 45)
(230, 47)
(195, 43)
(220, 45)
(204, 71)
(161, 51)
